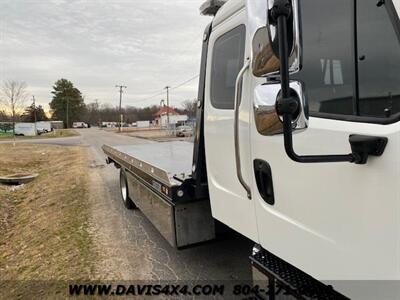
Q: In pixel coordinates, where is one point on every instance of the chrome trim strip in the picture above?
(236, 127)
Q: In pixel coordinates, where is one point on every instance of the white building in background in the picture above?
(143, 124)
(174, 119)
(57, 124)
(161, 117)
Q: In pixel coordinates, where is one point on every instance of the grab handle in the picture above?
(238, 92)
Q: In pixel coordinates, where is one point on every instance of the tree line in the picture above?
(68, 105)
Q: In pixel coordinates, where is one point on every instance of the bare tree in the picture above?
(13, 98)
(3, 116)
(190, 107)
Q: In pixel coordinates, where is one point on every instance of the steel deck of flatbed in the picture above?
(160, 160)
(159, 181)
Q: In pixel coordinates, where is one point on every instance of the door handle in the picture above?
(265, 185)
(238, 92)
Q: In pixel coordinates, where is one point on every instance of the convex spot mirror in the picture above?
(265, 44)
(267, 120)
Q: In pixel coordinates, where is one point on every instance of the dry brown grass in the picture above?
(44, 224)
(60, 133)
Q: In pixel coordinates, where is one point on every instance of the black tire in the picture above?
(123, 187)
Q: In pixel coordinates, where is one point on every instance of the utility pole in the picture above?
(162, 104)
(121, 87)
(67, 113)
(34, 108)
(97, 112)
(167, 88)
(34, 112)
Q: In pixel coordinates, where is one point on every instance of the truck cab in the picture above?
(278, 180)
(328, 219)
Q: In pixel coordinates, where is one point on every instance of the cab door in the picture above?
(226, 57)
(339, 220)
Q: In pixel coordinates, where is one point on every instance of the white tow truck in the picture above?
(297, 145)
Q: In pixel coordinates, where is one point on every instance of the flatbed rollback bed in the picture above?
(158, 181)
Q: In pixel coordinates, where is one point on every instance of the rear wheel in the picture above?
(123, 183)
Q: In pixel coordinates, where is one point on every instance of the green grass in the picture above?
(5, 135)
(55, 134)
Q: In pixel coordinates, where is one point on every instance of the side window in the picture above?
(350, 66)
(328, 66)
(379, 61)
(227, 60)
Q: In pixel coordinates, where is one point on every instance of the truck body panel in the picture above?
(346, 212)
(397, 6)
(339, 215)
(25, 129)
(159, 183)
(228, 10)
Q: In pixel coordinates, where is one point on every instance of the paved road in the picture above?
(131, 248)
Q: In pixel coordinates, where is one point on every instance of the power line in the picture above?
(147, 98)
(170, 88)
(185, 82)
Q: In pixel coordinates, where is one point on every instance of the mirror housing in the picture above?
(267, 120)
(265, 42)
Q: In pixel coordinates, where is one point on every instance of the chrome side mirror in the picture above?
(267, 120)
(289, 105)
(265, 44)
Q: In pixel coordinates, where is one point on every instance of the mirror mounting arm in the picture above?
(287, 105)
(288, 140)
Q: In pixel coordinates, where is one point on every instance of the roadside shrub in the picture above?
(5, 127)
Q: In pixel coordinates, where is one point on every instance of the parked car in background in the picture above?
(109, 124)
(43, 127)
(183, 131)
(79, 125)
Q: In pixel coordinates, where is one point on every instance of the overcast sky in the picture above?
(97, 44)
